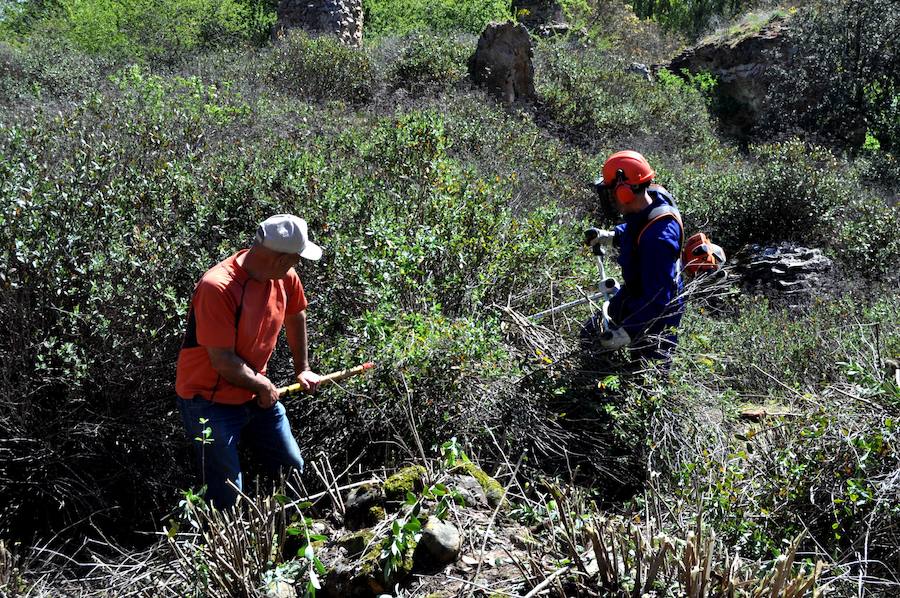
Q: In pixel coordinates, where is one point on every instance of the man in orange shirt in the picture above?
(236, 314)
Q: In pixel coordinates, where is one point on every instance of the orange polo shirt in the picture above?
(231, 309)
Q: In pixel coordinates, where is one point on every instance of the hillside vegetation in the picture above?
(141, 142)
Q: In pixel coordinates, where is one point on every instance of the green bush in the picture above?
(430, 63)
(843, 74)
(322, 68)
(824, 462)
(137, 30)
(788, 184)
(141, 187)
(393, 17)
(591, 95)
(47, 70)
(691, 17)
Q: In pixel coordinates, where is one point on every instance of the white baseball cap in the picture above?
(287, 233)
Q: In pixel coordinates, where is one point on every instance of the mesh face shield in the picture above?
(605, 199)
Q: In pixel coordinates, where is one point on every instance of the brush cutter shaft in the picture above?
(591, 298)
(608, 288)
(327, 379)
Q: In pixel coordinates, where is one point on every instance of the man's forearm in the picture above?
(235, 370)
(295, 330)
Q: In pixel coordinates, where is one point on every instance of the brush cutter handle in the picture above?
(327, 379)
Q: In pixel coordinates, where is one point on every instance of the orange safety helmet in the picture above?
(623, 171)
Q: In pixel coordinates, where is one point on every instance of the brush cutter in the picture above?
(327, 379)
(607, 287)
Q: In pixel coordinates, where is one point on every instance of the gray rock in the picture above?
(787, 269)
(553, 29)
(441, 541)
(343, 18)
(358, 506)
(280, 589)
(503, 62)
(469, 489)
(641, 70)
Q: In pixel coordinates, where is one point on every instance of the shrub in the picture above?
(47, 70)
(591, 95)
(430, 63)
(824, 462)
(842, 78)
(688, 16)
(421, 247)
(321, 68)
(154, 30)
(787, 184)
(392, 17)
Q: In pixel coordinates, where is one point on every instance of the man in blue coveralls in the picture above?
(646, 311)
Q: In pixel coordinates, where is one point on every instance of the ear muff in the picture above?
(623, 190)
(624, 193)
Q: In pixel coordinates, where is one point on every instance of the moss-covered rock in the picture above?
(408, 479)
(357, 542)
(377, 514)
(362, 505)
(492, 488)
(371, 570)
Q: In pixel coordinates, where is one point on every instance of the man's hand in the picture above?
(310, 379)
(614, 338)
(266, 393)
(596, 236)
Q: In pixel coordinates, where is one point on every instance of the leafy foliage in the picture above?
(843, 79)
(430, 63)
(321, 68)
(158, 29)
(439, 212)
(393, 17)
(688, 16)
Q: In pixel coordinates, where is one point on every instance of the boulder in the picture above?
(503, 62)
(641, 70)
(280, 589)
(343, 18)
(357, 543)
(363, 506)
(408, 479)
(785, 269)
(470, 489)
(491, 487)
(439, 545)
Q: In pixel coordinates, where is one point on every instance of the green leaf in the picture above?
(414, 525)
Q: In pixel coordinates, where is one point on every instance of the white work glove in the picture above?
(596, 236)
(614, 338)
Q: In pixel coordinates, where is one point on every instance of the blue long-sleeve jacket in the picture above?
(649, 302)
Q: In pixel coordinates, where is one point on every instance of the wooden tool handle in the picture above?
(328, 379)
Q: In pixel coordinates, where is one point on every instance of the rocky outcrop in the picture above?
(355, 559)
(343, 18)
(786, 269)
(503, 62)
(741, 64)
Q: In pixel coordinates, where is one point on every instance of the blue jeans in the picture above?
(267, 431)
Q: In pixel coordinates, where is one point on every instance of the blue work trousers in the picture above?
(266, 430)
